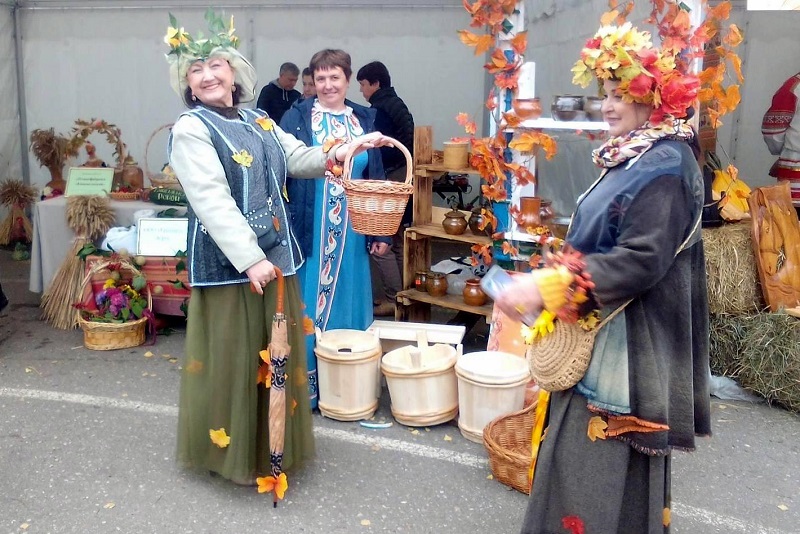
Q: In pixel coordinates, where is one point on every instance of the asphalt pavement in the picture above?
(87, 445)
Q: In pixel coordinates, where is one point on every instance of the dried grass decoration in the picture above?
(89, 217)
(51, 151)
(761, 352)
(18, 197)
(731, 273)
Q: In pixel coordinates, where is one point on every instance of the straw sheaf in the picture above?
(733, 286)
(16, 193)
(89, 216)
(761, 352)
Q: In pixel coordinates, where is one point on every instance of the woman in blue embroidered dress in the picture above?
(634, 241)
(232, 164)
(335, 279)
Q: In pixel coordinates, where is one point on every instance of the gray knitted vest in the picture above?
(252, 188)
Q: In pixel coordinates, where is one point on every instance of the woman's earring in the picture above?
(194, 98)
(233, 88)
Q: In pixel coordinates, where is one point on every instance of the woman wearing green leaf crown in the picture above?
(634, 243)
(232, 164)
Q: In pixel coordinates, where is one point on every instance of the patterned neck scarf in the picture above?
(618, 150)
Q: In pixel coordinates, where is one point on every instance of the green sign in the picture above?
(91, 181)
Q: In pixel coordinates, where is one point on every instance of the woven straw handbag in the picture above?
(559, 360)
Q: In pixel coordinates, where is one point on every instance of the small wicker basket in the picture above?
(508, 442)
(159, 179)
(112, 336)
(376, 207)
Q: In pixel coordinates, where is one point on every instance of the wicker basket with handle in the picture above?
(112, 336)
(159, 179)
(376, 206)
(508, 443)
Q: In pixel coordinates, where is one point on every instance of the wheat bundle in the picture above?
(733, 286)
(762, 352)
(18, 197)
(89, 217)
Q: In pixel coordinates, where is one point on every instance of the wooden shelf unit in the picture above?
(413, 305)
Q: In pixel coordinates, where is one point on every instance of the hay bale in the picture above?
(761, 352)
(731, 273)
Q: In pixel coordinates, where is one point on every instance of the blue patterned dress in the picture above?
(335, 277)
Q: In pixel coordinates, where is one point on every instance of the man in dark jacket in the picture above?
(395, 120)
(279, 94)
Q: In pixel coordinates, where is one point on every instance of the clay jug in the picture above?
(454, 222)
(436, 284)
(133, 176)
(473, 294)
(475, 221)
(529, 212)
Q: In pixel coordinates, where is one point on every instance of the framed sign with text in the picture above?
(161, 237)
(89, 181)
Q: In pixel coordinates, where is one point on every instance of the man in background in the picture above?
(279, 94)
(309, 89)
(781, 130)
(395, 120)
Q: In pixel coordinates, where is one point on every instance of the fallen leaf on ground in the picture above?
(415, 432)
(783, 507)
(490, 477)
(109, 505)
(173, 360)
(24, 526)
(148, 354)
(447, 438)
(365, 522)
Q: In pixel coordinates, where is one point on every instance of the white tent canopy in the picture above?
(104, 59)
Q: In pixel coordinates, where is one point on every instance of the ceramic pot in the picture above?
(529, 208)
(546, 213)
(475, 221)
(527, 108)
(473, 294)
(568, 102)
(454, 222)
(133, 177)
(420, 280)
(436, 284)
(592, 106)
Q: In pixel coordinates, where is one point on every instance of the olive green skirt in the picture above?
(227, 327)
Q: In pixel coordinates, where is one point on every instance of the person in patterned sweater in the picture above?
(781, 130)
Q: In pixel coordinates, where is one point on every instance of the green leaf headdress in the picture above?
(222, 42)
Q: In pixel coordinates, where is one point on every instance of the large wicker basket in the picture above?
(159, 179)
(112, 336)
(376, 207)
(508, 442)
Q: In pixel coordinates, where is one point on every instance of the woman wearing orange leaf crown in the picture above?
(634, 241)
(232, 164)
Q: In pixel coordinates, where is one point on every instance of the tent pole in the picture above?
(23, 113)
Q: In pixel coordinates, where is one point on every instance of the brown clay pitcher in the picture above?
(473, 294)
(529, 212)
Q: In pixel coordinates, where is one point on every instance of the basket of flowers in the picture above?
(376, 207)
(116, 316)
